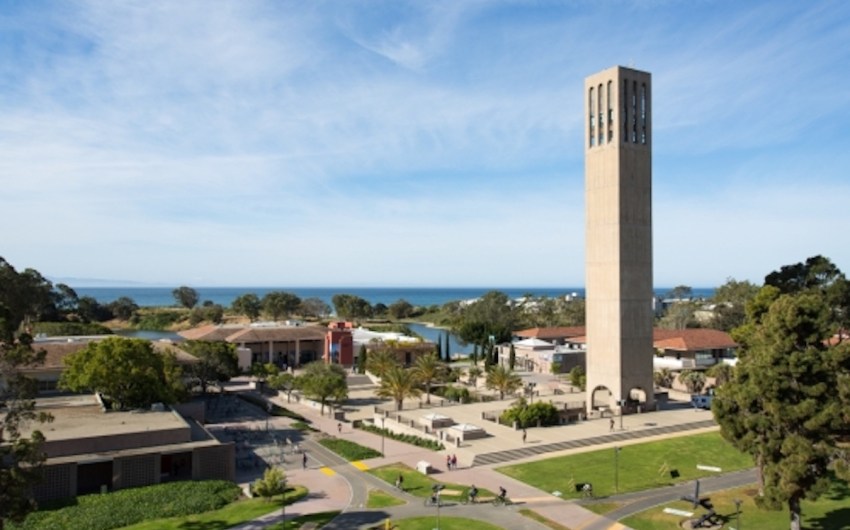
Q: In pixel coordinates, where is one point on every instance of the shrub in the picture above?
(529, 415)
(349, 450)
(406, 438)
(158, 320)
(457, 393)
(70, 328)
(131, 506)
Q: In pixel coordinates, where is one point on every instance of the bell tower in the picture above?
(618, 238)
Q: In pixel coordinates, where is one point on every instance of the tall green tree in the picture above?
(503, 380)
(324, 383)
(400, 309)
(351, 306)
(247, 304)
(284, 381)
(730, 303)
(217, 362)
(273, 483)
(21, 457)
(781, 406)
(428, 369)
(380, 361)
(492, 315)
(447, 349)
(399, 384)
(314, 308)
(278, 304)
(128, 371)
(123, 308)
(362, 359)
(512, 357)
(185, 296)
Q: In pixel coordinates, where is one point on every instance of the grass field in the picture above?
(349, 450)
(378, 499)
(830, 512)
(633, 468)
(420, 485)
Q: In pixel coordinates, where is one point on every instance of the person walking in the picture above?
(399, 482)
(524, 435)
(304, 461)
(454, 462)
(448, 462)
(611, 425)
(339, 428)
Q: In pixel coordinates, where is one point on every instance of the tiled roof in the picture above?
(550, 333)
(691, 339)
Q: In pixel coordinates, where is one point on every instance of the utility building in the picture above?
(618, 267)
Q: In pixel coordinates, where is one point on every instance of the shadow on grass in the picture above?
(357, 519)
(834, 520)
(204, 525)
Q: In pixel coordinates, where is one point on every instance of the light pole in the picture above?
(737, 513)
(616, 470)
(622, 403)
(382, 436)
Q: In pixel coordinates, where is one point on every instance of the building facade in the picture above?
(618, 239)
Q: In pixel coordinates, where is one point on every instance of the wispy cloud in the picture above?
(406, 142)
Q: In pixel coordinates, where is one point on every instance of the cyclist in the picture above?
(503, 494)
(473, 492)
(435, 494)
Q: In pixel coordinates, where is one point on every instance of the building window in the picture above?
(590, 107)
(634, 112)
(610, 115)
(601, 121)
(625, 100)
(643, 113)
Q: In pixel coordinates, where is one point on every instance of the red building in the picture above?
(339, 346)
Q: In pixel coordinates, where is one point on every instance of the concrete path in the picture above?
(336, 484)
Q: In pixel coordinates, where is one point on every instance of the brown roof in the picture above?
(57, 351)
(561, 332)
(251, 334)
(691, 339)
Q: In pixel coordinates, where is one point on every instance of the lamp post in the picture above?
(616, 470)
(622, 404)
(737, 513)
(382, 436)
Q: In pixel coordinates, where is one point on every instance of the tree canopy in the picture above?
(492, 315)
(503, 380)
(185, 296)
(128, 371)
(323, 383)
(398, 384)
(781, 404)
(278, 304)
(217, 362)
(248, 304)
(351, 306)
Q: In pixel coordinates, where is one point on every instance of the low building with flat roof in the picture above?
(90, 449)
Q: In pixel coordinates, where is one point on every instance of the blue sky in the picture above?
(428, 143)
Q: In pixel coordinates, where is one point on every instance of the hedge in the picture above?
(406, 438)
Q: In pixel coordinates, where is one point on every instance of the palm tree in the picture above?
(380, 361)
(474, 373)
(694, 380)
(503, 379)
(427, 369)
(397, 384)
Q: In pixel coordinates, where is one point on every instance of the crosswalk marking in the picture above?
(327, 471)
(360, 465)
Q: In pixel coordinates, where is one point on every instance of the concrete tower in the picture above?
(618, 267)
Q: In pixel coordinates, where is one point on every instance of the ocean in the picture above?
(417, 296)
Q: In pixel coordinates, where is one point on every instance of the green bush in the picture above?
(406, 438)
(159, 320)
(349, 450)
(54, 329)
(457, 393)
(131, 506)
(529, 415)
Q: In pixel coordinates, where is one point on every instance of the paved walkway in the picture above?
(336, 484)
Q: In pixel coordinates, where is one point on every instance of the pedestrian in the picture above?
(454, 462)
(524, 435)
(339, 427)
(611, 425)
(449, 462)
(304, 461)
(399, 482)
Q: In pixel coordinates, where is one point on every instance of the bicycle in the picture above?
(468, 500)
(502, 501)
(430, 501)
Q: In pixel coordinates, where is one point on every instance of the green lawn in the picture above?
(231, 515)
(420, 485)
(830, 512)
(379, 499)
(319, 519)
(545, 521)
(638, 467)
(349, 450)
(446, 523)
